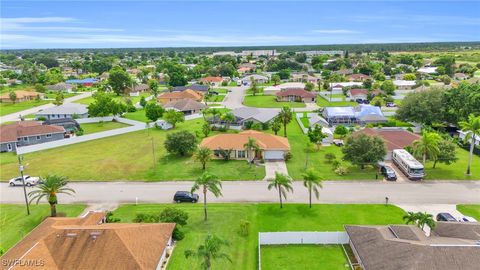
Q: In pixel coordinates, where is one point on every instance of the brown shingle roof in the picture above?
(11, 132)
(139, 88)
(296, 92)
(21, 94)
(211, 79)
(185, 105)
(181, 95)
(394, 139)
(237, 141)
(355, 92)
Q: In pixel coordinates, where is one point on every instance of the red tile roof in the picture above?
(355, 92)
(296, 92)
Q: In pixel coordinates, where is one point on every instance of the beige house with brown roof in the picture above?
(89, 243)
(21, 96)
(176, 96)
(270, 147)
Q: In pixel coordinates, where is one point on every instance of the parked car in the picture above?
(468, 219)
(338, 142)
(29, 181)
(445, 217)
(388, 173)
(391, 104)
(185, 196)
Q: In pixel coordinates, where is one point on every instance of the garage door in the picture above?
(274, 155)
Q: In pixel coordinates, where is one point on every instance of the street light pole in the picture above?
(21, 168)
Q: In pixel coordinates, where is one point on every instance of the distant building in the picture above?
(84, 82)
(60, 87)
(361, 114)
(315, 53)
(68, 110)
(176, 96)
(211, 80)
(259, 79)
(257, 53)
(194, 87)
(138, 89)
(404, 85)
(187, 106)
(21, 96)
(338, 86)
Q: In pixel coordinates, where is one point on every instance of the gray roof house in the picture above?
(68, 110)
(186, 105)
(258, 79)
(60, 87)
(451, 245)
(259, 115)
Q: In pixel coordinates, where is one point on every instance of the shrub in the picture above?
(41, 118)
(341, 170)
(174, 215)
(335, 164)
(180, 143)
(257, 126)
(341, 130)
(248, 124)
(244, 228)
(79, 132)
(287, 156)
(330, 157)
(410, 129)
(110, 219)
(146, 218)
(225, 153)
(224, 83)
(178, 234)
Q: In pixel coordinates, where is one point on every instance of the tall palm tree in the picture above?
(214, 112)
(312, 181)
(251, 146)
(208, 182)
(52, 185)
(285, 116)
(228, 117)
(472, 130)
(410, 218)
(282, 183)
(211, 250)
(427, 145)
(425, 219)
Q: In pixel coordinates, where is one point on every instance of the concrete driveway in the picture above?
(274, 166)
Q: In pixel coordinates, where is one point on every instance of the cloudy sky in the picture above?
(106, 24)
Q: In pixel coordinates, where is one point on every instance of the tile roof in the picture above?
(355, 92)
(394, 139)
(139, 88)
(185, 105)
(296, 92)
(11, 132)
(195, 87)
(211, 79)
(181, 95)
(237, 141)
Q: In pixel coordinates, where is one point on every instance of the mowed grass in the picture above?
(130, 156)
(8, 108)
(293, 257)
(455, 171)
(224, 221)
(15, 224)
(138, 115)
(472, 210)
(325, 103)
(89, 128)
(261, 101)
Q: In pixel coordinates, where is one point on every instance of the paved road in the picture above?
(16, 116)
(250, 191)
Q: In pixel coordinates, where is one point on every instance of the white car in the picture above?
(468, 219)
(29, 181)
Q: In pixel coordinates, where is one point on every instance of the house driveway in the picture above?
(274, 166)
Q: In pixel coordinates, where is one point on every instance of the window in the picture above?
(38, 138)
(49, 135)
(240, 154)
(9, 147)
(25, 138)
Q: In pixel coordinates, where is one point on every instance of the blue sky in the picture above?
(105, 24)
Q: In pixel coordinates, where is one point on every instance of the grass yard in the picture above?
(89, 128)
(216, 98)
(472, 210)
(292, 257)
(15, 224)
(261, 101)
(138, 115)
(224, 221)
(455, 171)
(220, 90)
(53, 95)
(126, 157)
(325, 103)
(8, 108)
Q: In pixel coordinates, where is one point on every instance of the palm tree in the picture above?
(425, 219)
(53, 185)
(427, 145)
(285, 116)
(251, 146)
(203, 155)
(228, 117)
(206, 112)
(472, 130)
(214, 112)
(312, 181)
(282, 183)
(410, 218)
(208, 182)
(210, 250)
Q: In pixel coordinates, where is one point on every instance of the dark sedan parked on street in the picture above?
(185, 196)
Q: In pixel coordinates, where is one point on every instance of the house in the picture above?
(270, 147)
(104, 76)
(358, 77)
(338, 86)
(272, 90)
(244, 70)
(213, 81)
(296, 95)
(21, 96)
(25, 133)
(175, 96)
(404, 85)
(304, 77)
(427, 70)
(393, 138)
(89, 243)
(187, 106)
(343, 72)
(67, 110)
(257, 53)
(460, 76)
(361, 94)
(259, 79)
(361, 114)
(69, 124)
(60, 87)
(194, 87)
(451, 245)
(314, 119)
(85, 82)
(137, 89)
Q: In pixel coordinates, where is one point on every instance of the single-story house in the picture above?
(69, 124)
(60, 87)
(460, 76)
(245, 115)
(272, 90)
(361, 114)
(244, 70)
(404, 85)
(344, 72)
(194, 87)
(270, 147)
(84, 82)
(451, 245)
(304, 77)
(362, 94)
(21, 96)
(24, 133)
(296, 95)
(338, 86)
(175, 96)
(67, 110)
(393, 138)
(211, 80)
(137, 89)
(358, 77)
(259, 79)
(427, 70)
(187, 106)
(88, 242)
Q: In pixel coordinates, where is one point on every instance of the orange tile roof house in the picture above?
(21, 96)
(27, 133)
(88, 243)
(212, 80)
(271, 147)
(175, 96)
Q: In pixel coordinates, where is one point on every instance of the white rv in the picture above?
(413, 169)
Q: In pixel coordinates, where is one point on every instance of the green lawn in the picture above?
(216, 98)
(472, 210)
(224, 221)
(261, 101)
(455, 171)
(15, 224)
(126, 157)
(8, 108)
(53, 95)
(292, 257)
(476, 74)
(89, 128)
(220, 90)
(325, 103)
(138, 115)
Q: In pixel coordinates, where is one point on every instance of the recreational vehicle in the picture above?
(408, 164)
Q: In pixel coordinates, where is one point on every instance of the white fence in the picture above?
(327, 96)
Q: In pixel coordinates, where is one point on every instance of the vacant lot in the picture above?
(472, 210)
(455, 171)
(8, 108)
(224, 221)
(261, 101)
(89, 128)
(15, 224)
(325, 103)
(138, 115)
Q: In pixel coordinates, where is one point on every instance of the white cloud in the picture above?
(335, 31)
(37, 20)
(32, 24)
